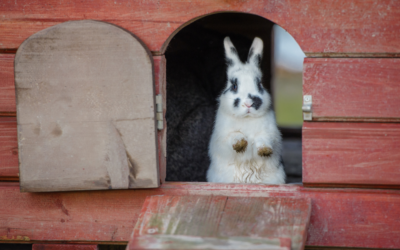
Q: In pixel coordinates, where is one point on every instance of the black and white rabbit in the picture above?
(245, 145)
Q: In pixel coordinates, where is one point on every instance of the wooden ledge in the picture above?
(339, 217)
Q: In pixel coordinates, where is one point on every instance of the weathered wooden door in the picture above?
(85, 109)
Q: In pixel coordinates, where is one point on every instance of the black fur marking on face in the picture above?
(236, 102)
(229, 62)
(257, 102)
(234, 85)
(259, 85)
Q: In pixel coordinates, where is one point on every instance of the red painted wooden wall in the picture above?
(353, 140)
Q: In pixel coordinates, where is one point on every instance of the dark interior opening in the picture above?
(196, 75)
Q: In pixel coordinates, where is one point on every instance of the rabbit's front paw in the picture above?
(264, 151)
(240, 146)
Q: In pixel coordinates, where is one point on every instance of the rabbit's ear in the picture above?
(231, 54)
(256, 51)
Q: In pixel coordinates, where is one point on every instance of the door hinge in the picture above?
(159, 114)
(307, 108)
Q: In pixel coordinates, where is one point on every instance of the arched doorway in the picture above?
(196, 75)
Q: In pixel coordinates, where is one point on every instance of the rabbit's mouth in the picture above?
(249, 113)
(247, 107)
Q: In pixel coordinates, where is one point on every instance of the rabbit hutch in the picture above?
(106, 110)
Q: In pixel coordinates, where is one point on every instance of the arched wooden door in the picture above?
(85, 109)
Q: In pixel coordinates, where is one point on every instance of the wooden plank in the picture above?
(353, 89)
(324, 27)
(351, 153)
(178, 214)
(219, 216)
(267, 217)
(192, 242)
(69, 216)
(7, 90)
(85, 109)
(63, 247)
(8, 149)
(339, 217)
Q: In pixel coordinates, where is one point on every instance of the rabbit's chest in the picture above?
(249, 127)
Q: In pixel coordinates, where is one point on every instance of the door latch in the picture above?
(307, 108)
(159, 113)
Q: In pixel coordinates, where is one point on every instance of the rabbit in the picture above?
(245, 146)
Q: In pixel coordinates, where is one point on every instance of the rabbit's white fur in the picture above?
(240, 116)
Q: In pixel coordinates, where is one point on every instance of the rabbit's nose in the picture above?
(248, 103)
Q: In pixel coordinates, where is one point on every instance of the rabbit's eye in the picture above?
(234, 85)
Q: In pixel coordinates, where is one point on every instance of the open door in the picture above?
(85, 109)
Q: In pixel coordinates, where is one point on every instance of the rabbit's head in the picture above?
(244, 94)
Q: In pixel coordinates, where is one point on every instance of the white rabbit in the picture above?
(245, 146)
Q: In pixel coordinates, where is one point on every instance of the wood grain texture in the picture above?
(193, 242)
(339, 217)
(7, 89)
(8, 149)
(353, 89)
(220, 216)
(63, 247)
(267, 217)
(344, 26)
(7, 86)
(69, 216)
(85, 109)
(351, 153)
(180, 215)
(8, 127)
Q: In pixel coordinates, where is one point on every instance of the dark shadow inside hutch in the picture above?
(196, 76)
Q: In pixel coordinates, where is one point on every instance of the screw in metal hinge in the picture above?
(160, 115)
(307, 108)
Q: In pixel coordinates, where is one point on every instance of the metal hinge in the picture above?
(160, 115)
(307, 108)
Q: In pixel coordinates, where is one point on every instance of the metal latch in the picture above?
(307, 108)
(160, 115)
